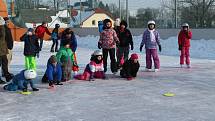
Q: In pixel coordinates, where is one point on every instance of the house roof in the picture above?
(36, 16)
(87, 14)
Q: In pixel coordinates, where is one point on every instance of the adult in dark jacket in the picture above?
(68, 34)
(4, 52)
(40, 32)
(53, 73)
(130, 67)
(9, 40)
(125, 39)
(31, 48)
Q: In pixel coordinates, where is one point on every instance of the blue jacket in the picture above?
(54, 73)
(19, 82)
(146, 40)
(100, 26)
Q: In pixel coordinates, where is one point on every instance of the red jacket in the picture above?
(41, 30)
(184, 38)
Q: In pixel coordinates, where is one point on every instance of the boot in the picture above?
(35, 89)
(59, 83)
(2, 82)
(52, 50)
(9, 77)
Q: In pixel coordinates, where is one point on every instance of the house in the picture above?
(89, 19)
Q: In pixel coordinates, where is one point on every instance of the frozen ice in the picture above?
(117, 99)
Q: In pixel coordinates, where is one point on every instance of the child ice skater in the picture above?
(21, 81)
(184, 38)
(66, 58)
(130, 67)
(31, 49)
(55, 37)
(94, 69)
(151, 39)
(53, 72)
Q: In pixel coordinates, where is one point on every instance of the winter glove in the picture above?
(141, 47)
(132, 47)
(160, 48)
(179, 47)
(129, 78)
(99, 45)
(38, 55)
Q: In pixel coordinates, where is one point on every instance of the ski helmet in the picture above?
(30, 74)
(151, 22)
(185, 25)
(97, 53)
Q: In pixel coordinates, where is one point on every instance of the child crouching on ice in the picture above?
(94, 69)
(66, 58)
(21, 81)
(130, 67)
(53, 72)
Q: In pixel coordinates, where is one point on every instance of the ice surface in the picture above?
(117, 99)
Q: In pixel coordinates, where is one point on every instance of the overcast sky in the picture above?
(134, 4)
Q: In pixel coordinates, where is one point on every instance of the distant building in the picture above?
(88, 19)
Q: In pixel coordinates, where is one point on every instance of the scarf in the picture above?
(152, 35)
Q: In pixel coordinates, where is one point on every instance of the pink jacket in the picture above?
(108, 39)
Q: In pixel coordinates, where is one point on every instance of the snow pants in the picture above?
(86, 75)
(54, 44)
(185, 53)
(152, 53)
(66, 71)
(113, 64)
(122, 55)
(30, 62)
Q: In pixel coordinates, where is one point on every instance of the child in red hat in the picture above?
(130, 67)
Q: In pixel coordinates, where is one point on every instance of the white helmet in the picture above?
(30, 74)
(2, 22)
(185, 25)
(117, 22)
(151, 22)
(97, 53)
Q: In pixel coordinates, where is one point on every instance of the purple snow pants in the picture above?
(152, 53)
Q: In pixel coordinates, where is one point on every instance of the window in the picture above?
(94, 22)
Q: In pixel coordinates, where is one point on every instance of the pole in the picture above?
(176, 21)
(80, 12)
(120, 13)
(127, 13)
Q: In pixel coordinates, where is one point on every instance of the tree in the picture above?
(198, 13)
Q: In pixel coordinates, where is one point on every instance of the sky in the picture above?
(133, 4)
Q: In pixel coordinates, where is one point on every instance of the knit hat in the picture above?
(53, 59)
(124, 23)
(65, 42)
(106, 21)
(134, 56)
(2, 22)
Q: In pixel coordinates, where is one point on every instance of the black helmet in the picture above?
(57, 25)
